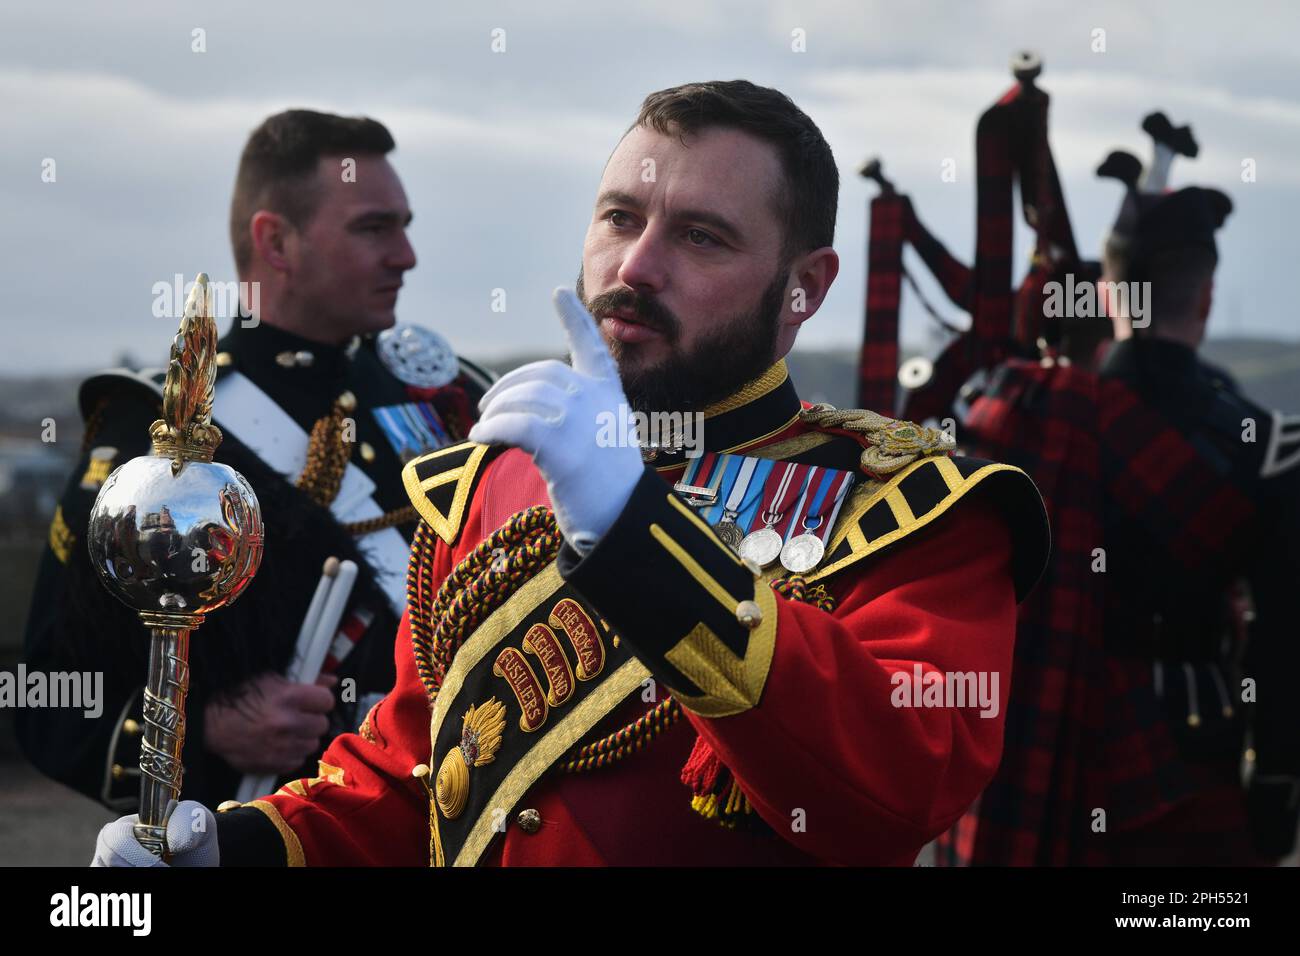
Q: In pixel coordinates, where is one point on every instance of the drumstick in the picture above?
(311, 622)
(328, 625)
(253, 785)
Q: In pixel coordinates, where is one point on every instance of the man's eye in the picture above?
(698, 237)
(617, 219)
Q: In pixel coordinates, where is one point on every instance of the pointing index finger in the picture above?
(590, 354)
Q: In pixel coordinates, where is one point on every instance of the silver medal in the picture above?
(802, 553)
(417, 356)
(762, 546)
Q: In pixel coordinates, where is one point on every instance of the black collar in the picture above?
(757, 410)
(263, 353)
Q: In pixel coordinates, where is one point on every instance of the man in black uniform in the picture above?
(321, 401)
(1201, 491)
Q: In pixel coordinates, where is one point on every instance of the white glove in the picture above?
(191, 839)
(554, 412)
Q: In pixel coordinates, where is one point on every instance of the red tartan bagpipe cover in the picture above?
(1010, 141)
(1082, 729)
(1044, 419)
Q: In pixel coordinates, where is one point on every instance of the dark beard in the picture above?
(738, 351)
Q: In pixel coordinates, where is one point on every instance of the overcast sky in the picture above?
(500, 153)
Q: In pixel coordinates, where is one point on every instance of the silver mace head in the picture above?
(175, 535)
(173, 532)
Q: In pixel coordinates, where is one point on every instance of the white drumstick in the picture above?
(328, 625)
(255, 785)
(310, 623)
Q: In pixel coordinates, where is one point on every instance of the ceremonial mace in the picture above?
(175, 536)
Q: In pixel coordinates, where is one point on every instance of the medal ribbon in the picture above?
(796, 520)
(779, 503)
(736, 504)
(700, 470)
(838, 490)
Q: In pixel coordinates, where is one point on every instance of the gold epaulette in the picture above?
(878, 514)
(888, 443)
(441, 483)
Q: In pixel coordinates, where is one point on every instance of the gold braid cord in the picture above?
(500, 565)
(389, 519)
(894, 443)
(486, 578)
(327, 458)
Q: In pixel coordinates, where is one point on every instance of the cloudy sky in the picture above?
(500, 153)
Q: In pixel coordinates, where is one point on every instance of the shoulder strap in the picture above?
(441, 484)
(879, 515)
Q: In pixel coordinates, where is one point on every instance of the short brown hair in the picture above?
(812, 182)
(278, 166)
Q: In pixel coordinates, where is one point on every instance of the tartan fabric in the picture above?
(990, 299)
(1158, 478)
(954, 276)
(893, 222)
(1043, 204)
(1010, 140)
(1085, 729)
(878, 362)
(1044, 419)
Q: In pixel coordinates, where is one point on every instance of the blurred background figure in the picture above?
(321, 401)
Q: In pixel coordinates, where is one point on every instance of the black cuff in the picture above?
(689, 609)
(247, 837)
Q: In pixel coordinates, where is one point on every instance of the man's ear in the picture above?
(811, 276)
(274, 240)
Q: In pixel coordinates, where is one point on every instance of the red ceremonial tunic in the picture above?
(835, 757)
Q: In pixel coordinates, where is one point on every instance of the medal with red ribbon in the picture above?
(813, 519)
(764, 545)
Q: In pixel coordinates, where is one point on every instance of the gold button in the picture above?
(367, 451)
(303, 358)
(530, 821)
(129, 726)
(224, 359)
(617, 642)
(225, 805)
(421, 771)
(749, 614)
(1193, 720)
(118, 771)
(285, 360)
(347, 401)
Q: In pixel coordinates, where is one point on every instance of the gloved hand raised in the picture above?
(553, 411)
(191, 839)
